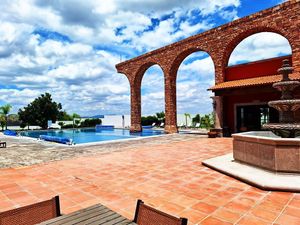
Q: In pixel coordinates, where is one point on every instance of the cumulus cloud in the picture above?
(260, 46)
(70, 47)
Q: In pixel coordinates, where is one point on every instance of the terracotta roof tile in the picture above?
(251, 82)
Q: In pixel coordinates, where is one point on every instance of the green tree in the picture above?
(5, 109)
(65, 116)
(40, 111)
(2, 121)
(77, 122)
(149, 120)
(61, 124)
(187, 115)
(161, 116)
(207, 121)
(196, 119)
(74, 117)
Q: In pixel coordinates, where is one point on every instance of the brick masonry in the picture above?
(219, 43)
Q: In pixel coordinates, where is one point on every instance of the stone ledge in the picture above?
(263, 179)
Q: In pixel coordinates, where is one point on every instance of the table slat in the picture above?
(93, 215)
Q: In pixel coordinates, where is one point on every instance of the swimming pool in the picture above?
(89, 135)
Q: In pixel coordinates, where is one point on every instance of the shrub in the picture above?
(90, 122)
(67, 126)
(149, 120)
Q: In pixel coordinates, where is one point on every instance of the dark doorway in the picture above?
(252, 117)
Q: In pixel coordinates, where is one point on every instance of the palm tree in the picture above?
(2, 121)
(75, 115)
(5, 109)
(187, 115)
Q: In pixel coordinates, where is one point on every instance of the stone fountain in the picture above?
(278, 149)
(269, 160)
(287, 105)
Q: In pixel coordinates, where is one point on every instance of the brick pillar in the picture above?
(170, 105)
(218, 111)
(135, 101)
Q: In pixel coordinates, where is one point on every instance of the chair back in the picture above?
(32, 214)
(146, 215)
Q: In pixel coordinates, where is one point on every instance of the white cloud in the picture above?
(82, 77)
(260, 46)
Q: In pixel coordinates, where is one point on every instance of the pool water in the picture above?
(88, 135)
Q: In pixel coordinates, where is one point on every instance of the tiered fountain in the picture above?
(278, 149)
(286, 106)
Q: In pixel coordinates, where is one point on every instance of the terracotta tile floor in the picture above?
(168, 176)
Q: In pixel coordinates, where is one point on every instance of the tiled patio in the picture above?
(168, 175)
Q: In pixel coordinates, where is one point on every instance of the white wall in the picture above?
(116, 120)
(181, 119)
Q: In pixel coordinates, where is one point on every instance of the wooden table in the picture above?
(94, 215)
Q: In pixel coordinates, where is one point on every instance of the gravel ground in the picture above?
(23, 151)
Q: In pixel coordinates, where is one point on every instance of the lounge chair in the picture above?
(197, 125)
(153, 124)
(162, 125)
(32, 214)
(2, 144)
(145, 215)
(181, 125)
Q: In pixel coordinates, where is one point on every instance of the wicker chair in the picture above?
(146, 215)
(31, 214)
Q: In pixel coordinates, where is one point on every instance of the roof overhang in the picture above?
(257, 81)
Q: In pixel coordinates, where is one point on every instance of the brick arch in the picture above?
(142, 70)
(219, 43)
(232, 44)
(183, 55)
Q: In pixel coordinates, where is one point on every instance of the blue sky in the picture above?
(69, 48)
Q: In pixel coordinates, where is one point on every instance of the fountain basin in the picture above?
(285, 130)
(266, 150)
(286, 85)
(285, 105)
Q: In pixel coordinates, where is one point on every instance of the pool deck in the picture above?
(165, 172)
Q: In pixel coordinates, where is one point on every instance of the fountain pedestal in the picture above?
(265, 150)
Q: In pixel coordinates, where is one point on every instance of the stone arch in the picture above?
(232, 44)
(170, 85)
(183, 55)
(194, 77)
(219, 44)
(142, 69)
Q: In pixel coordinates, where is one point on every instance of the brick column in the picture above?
(170, 105)
(135, 101)
(218, 111)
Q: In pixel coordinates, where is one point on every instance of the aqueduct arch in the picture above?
(219, 43)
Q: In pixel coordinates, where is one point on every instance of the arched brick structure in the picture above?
(219, 43)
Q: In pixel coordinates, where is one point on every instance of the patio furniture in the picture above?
(31, 214)
(181, 125)
(146, 215)
(2, 144)
(162, 124)
(93, 215)
(198, 125)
